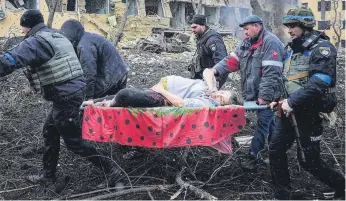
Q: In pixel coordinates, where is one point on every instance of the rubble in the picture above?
(165, 40)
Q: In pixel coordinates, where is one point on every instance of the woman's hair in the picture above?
(235, 99)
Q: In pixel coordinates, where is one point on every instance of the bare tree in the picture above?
(257, 9)
(119, 34)
(52, 8)
(199, 7)
(337, 23)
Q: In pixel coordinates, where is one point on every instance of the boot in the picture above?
(40, 178)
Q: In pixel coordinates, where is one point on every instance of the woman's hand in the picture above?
(105, 103)
(86, 103)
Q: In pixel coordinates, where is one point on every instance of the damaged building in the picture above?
(104, 16)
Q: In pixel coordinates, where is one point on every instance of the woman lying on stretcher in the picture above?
(171, 91)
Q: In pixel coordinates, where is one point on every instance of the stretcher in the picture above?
(165, 127)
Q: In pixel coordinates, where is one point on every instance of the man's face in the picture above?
(251, 30)
(294, 30)
(197, 29)
(26, 30)
(222, 97)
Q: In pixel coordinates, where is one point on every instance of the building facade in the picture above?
(330, 17)
(104, 16)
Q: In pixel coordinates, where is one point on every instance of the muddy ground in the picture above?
(22, 115)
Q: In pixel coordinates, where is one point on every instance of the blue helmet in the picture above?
(251, 20)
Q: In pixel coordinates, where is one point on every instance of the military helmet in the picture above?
(251, 20)
(300, 15)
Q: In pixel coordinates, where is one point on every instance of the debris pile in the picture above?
(165, 40)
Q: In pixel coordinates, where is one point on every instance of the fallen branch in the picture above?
(223, 164)
(176, 194)
(151, 196)
(18, 189)
(128, 191)
(337, 164)
(201, 193)
(99, 191)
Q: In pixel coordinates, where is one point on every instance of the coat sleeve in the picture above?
(321, 71)
(33, 51)
(88, 61)
(272, 64)
(229, 63)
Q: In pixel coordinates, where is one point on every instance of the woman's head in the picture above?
(226, 97)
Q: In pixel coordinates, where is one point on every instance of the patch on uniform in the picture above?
(275, 55)
(325, 51)
(212, 47)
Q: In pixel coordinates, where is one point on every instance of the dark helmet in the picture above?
(303, 16)
(252, 19)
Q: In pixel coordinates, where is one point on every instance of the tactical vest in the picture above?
(297, 72)
(63, 66)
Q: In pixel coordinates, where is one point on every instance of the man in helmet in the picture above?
(209, 51)
(260, 60)
(311, 78)
(54, 70)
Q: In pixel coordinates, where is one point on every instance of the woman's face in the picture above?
(222, 97)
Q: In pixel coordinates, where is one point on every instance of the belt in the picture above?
(298, 76)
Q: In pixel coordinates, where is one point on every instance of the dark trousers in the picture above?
(282, 137)
(134, 97)
(64, 120)
(264, 119)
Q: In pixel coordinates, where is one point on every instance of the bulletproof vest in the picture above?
(63, 66)
(197, 65)
(298, 72)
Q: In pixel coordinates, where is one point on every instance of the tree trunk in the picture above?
(257, 10)
(51, 13)
(119, 34)
(336, 28)
(323, 10)
(194, 7)
(199, 7)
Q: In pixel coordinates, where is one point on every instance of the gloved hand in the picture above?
(286, 108)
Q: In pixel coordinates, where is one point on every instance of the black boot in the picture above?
(40, 178)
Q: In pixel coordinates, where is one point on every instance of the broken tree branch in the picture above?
(337, 164)
(128, 191)
(201, 193)
(122, 24)
(18, 189)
